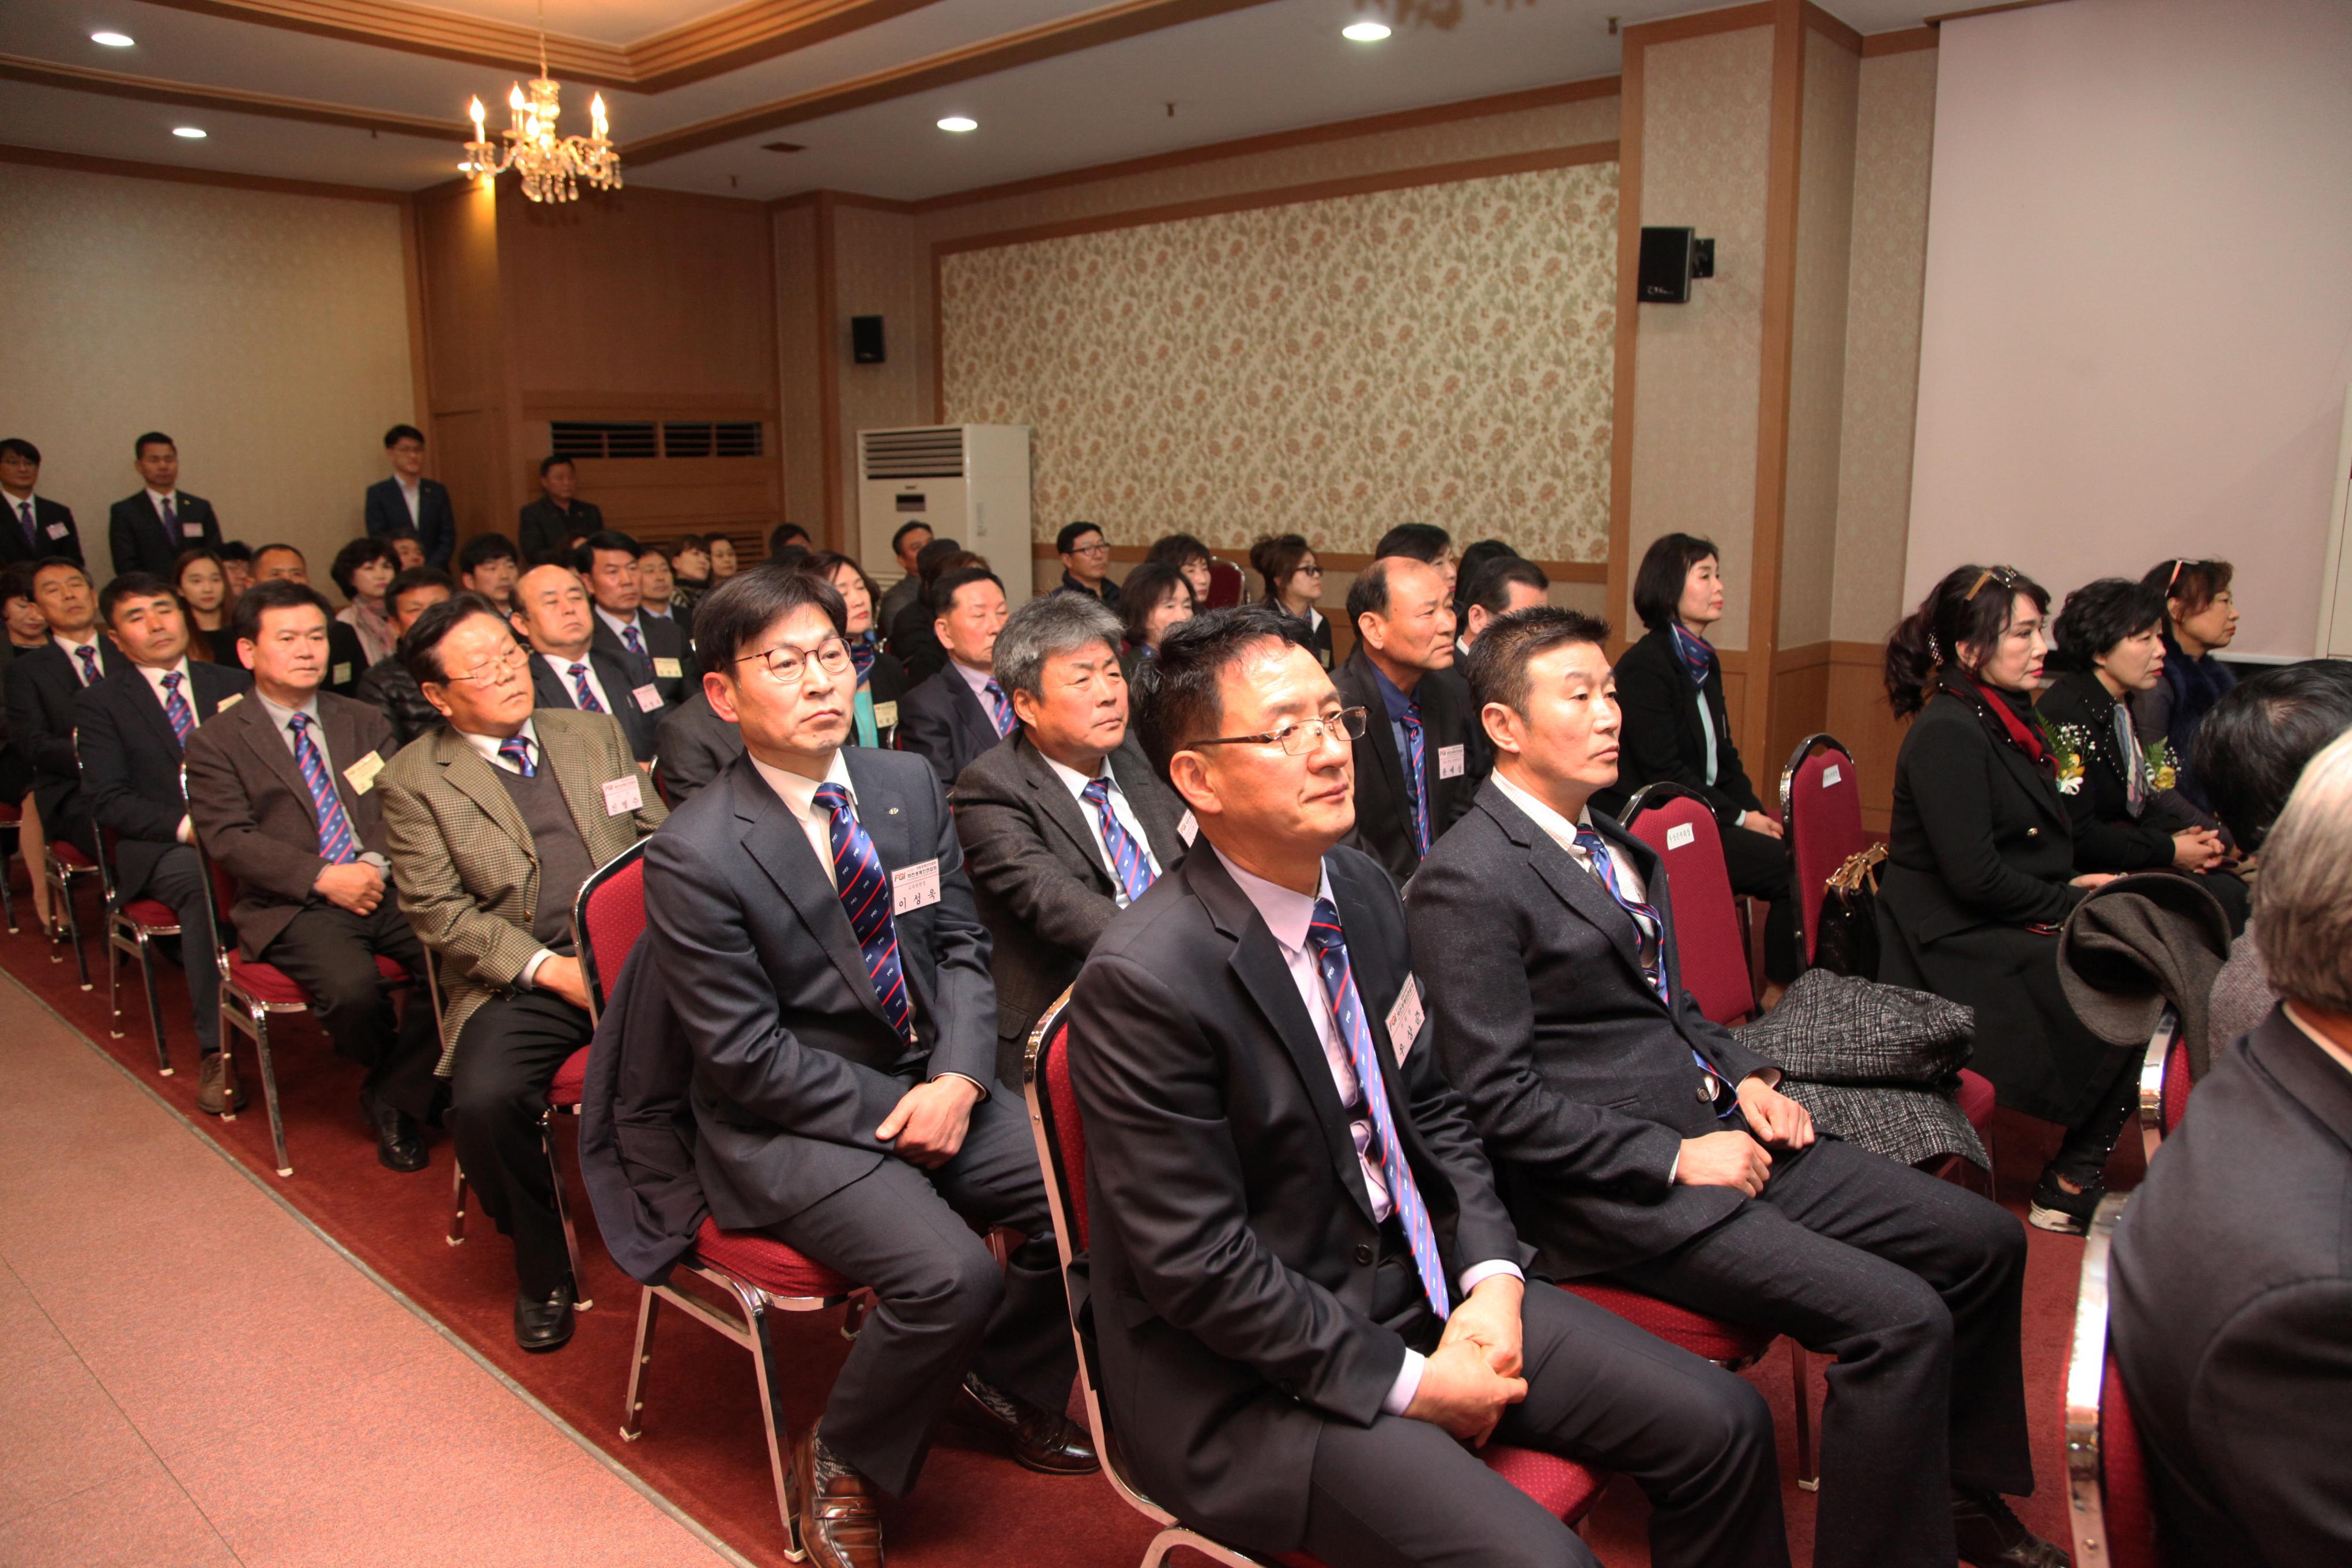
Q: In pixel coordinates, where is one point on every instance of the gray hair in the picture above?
(1045, 628)
(2303, 900)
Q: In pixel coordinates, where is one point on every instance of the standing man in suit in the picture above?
(1302, 1280)
(131, 727)
(42, 685)
(551, 614)
(282, 792)
(1635, 1138)
(2232, 1283)
(906, 545)
(1065, 824)
(495, 820)
(486, 565)
(962, 711)
(809, 915)
(388, 686)
(146, 532)
(410, 499)
(550, 527)
(1085, 564)
(346, 659)
(36, 526)
(1413, 778)
(651, 645)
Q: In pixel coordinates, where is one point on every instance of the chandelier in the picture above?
(551, 166)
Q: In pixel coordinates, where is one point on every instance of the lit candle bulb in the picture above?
(476, 110)
(514, 97)
(596, 114)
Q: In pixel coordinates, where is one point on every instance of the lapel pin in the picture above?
(894, 811)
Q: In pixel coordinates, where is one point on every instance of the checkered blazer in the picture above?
(462, 857)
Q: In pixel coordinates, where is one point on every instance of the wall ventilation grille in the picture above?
(645, 438)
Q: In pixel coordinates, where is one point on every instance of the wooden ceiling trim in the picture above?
(153, 89)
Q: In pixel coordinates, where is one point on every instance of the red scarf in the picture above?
(2027, 740)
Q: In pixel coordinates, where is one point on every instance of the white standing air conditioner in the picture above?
(965, 482)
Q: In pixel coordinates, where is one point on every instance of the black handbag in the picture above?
(1848, 941)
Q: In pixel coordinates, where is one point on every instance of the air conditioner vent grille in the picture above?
(928, 454)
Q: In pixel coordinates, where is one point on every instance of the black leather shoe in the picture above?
(399, 1146)
(1992, 1536)
(1045, 1441)
(544, 1325)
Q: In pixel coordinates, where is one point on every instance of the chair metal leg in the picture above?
(1809, 1474)
(81, 955)
(8, 880)
(457, 1236)
(648, 1306)
(114, 989)
(779, 1446)
(154, 1009)
(562, 1210)
(269, 1090)
(227, 1024)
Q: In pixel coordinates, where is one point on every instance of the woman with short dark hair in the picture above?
(881, 680)
(1677, 729)
(1293, 581)
(1188, 556)
(1980, 874)
(2201, 615)
(1155, 595)
(364, 569)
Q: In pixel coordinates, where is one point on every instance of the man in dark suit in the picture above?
(346, 658)
(146, 532)
(1413, 777)
(2232, 1316)
(409, 499)
(691, 747)
(809, 915)
(1065, 824)
(652, 647)
(1085, 564)
(282, 794)
(34, 526)
(1629, 1133)
(963, 709)
(551, 614)
(495, 820)
(549, 528)
(1307, 1297)
(130, 729)
(388, 686)
(42, 684)
(485, 564)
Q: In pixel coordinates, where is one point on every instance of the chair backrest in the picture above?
(220, 894)
(1680, 827)
(106, 836)
(1820, 813)
(1224, 584)
(2107, 1496)
(2158, 1113)
(607, 917)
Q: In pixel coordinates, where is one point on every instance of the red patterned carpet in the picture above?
(702, 1445)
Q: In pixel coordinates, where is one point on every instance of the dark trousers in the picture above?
(945, 1306)
(1914, 1285)
(507, 1056)
(1401, 1494)
(1760, 867)
(2082, 1156)
(176, 881)
(330, 953)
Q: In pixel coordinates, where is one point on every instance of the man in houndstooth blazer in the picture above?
(495, 821)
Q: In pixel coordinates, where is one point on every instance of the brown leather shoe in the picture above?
(840, 1521)
(1045, 1441)
(211, 1087)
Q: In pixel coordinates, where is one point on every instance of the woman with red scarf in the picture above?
(1980, 870)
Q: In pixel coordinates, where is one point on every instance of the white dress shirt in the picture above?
(1288, 914)
(414, 494)
(978, 680)
(1075, 783)
(156, 499)
(562, 668)
(489, 746)
(185, 832)
(73, 653)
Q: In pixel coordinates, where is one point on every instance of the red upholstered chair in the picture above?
(1225, 584)
(130, 928)
(1820, 814)
(2108, 1499)
(12, 818)
(1679, 825)
(1566, 1488)
(66, 867)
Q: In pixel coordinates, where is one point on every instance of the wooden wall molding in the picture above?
(828, 370)
(1333, 559)
(1675, 30)
(154, 90)
(1938, 21)
(1783, 161)
(1830, 27)
(1899, 43)
(135, 170)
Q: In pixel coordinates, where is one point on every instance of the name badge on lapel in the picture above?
(1449, 762)
(915, 886)
(885, 715)
(1405, 1019)
(228, 702)
(340, 674)
(1188, 828)
(667, 669)
(57, 530)
(360, 774)
(191, 531)
(648, 696)
(623, 794)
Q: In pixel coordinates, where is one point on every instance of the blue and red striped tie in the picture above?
(1416, 753)
(1000, 707)
(637, 644)
(866, 898)
(1134, 869)
(335, 835)
(1650, 940)
(1330, 945)
(176, 709)
(582, 692)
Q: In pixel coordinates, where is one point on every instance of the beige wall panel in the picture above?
(796, 356)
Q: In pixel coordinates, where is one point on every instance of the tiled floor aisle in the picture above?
(188, 1375)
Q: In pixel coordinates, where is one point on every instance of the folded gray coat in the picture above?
(2138, 944)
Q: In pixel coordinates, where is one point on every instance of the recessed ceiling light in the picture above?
(958, 122)
(1364, 32)
(113, 40)
(189, 131)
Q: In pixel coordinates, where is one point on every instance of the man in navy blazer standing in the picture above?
(809, 914)
(410, 499)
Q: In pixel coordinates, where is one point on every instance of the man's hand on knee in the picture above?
(927, 1127)
(1489, 1318)
(1462, 1394)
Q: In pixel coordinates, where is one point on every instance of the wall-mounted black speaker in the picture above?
(1671, 258)
(865, 340)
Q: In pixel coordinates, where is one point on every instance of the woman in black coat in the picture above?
(1980, 874)
(1677, 729)
(2200, 617)
(2127, 814)
(881, 680)
(1294, 580)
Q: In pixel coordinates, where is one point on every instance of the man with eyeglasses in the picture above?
(1309, 1299)
(1085, 564)
(494, 821)
(813, 930)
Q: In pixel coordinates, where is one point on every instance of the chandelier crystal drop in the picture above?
(551, 166)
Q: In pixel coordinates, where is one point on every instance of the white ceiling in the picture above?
(1266, 68)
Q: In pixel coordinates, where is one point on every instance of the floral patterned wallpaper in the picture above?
(1442, 353)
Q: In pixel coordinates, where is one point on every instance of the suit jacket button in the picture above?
(1363, 1252)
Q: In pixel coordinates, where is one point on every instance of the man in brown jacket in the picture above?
(495, 820)
(281, 793)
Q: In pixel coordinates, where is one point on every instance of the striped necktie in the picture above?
(1649, 944)
(88, 654)
(637, 644)
(32, 531)
(517, 750)
(1330, 945)
(866, 898)
(176, 709)
(1002, 709)
(1125, 854)
(582, 692)
(1416, 788)
(336, 839)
